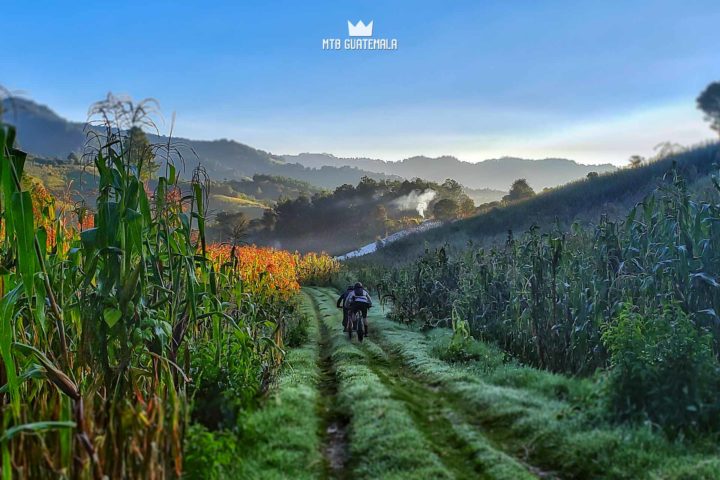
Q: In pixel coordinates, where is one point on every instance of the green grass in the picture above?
(411, 414)
(224, 203)
(457, 442)
(553, 420)
(282, 439)
(384, 441)
(404, 429)
(239, 200)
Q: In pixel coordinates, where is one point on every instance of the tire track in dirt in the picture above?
(334, 421)
(431, 418)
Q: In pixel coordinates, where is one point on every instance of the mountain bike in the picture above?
(355, 320)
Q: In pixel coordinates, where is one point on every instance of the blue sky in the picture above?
(595, 81)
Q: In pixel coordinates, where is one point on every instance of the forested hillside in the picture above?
(351, 216)
(612, 194)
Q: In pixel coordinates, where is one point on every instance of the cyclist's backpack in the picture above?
(359, 292)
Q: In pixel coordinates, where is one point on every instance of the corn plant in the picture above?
(111, 321)
(550, 298)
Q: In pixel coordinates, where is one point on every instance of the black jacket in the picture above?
(341, 300)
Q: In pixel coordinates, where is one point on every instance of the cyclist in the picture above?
(359, 300)
(341, 304)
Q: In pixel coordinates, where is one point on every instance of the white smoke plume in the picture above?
(415, 200)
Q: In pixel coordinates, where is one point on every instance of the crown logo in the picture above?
(360, 30)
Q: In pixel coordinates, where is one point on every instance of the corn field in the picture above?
(553, 300)
(110, 317)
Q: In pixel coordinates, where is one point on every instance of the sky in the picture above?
(594, 81)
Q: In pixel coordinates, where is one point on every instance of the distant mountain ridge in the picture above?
(43, 133)
(496, 174)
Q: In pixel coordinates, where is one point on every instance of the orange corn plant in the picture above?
(262, 270)
(316, 268)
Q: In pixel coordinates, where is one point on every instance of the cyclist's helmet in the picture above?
(350, 287)
(358, 285)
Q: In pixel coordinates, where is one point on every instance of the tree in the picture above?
(233, 226)
(636, 161)
(592, 175)
(445, 209)
(519, 190)
(140, 153)
(453, 187)
(467, 206)
(709, 103)
(367, 186)
(269, 219)
(485, 207)
(73, 158)
(381, 217)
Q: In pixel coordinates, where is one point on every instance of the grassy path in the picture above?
(407, 428)
(334, 419)
(389, 408)
(538, 418)
(383, 440)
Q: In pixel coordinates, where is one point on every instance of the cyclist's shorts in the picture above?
(359, 307)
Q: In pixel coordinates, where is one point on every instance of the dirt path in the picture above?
(333, 421)
(461, 447)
